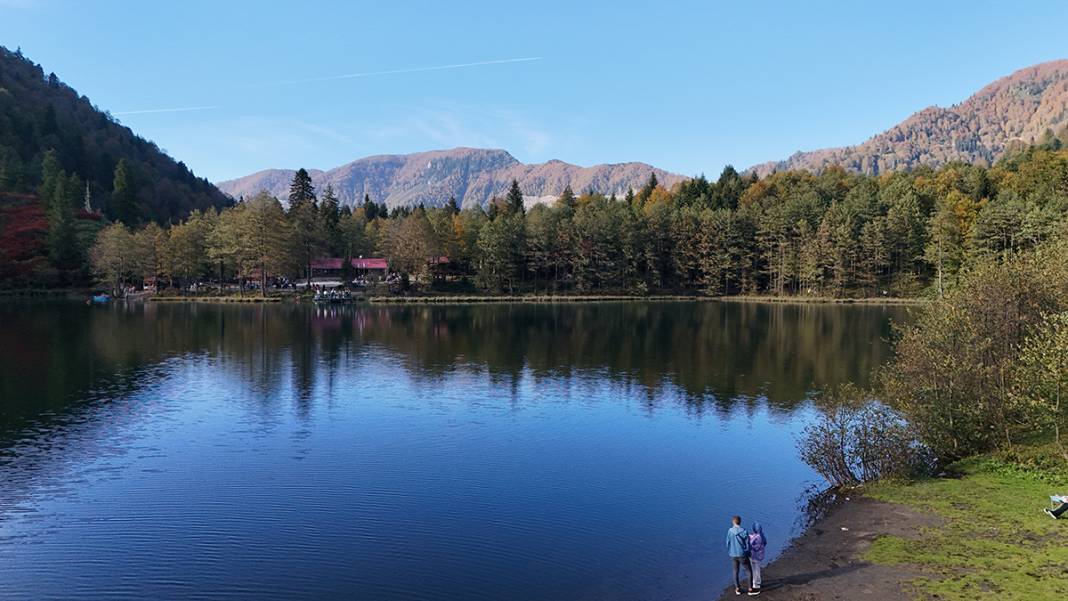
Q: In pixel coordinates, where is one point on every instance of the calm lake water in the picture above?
(522, 452)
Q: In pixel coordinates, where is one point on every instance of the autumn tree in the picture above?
(410, 245)
(111, 256)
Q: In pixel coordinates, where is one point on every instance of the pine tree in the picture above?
(515, 199)
(567, 199)
(123, 196)
(329, 216)
(301, 189)
(452, 207)
(50, 174)
(62, 249)
(370, 209)
(647, 189)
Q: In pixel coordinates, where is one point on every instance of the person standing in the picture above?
(757, 543)
(738, 550)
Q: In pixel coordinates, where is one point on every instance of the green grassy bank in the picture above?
(994, 541)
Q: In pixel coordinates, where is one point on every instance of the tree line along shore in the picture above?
(833, 234)
(962, 437)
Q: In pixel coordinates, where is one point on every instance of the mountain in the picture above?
(38, 113)
(1020, 109)
(472, 175)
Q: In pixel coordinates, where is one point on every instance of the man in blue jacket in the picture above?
(738, 549)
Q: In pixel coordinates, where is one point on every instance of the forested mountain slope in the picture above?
(1024, 108)
(38, 113)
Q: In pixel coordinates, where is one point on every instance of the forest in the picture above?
(831, 234)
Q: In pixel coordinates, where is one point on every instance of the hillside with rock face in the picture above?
(472, 175)
(1015, 110)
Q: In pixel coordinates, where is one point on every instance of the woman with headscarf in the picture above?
(757, 543)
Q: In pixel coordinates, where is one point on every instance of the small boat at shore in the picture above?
(99, 299)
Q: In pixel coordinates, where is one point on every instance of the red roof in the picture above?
(370, 263)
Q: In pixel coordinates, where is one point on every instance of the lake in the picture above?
(524, 451)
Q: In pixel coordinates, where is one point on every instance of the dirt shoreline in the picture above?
(826, 561)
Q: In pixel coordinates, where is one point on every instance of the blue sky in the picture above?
(686, 86)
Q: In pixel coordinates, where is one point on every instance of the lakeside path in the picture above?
(826, 562)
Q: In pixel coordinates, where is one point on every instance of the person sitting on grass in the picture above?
(738, 549)
(1060, 510)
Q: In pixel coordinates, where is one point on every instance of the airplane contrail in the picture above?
(167, 110)
(502, 61)
(412, 70)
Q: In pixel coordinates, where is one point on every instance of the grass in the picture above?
(995, 542)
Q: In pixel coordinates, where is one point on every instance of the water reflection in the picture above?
(52, 355)
(409, 452)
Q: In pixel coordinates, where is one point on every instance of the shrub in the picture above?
(862, 440)
(1041, 377)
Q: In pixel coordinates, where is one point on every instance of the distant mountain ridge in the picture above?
(472, 175)
(1015, 110)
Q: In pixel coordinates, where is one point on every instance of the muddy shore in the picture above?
(826, 562)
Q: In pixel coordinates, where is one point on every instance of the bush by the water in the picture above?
(860, 439)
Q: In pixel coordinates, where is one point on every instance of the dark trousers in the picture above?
(738, 563)
(1058, 511)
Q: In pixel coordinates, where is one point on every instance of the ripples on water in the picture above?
(504, 452)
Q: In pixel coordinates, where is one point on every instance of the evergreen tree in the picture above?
(329, 216)
(62, 247)
(567, 199)
(370, 209)
(451, 207)
(647, 189)
(301, 190)
(515, 199)
(305, 223)
(501, 246)
(123, 195)
(51, 171)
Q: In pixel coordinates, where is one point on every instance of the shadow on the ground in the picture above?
(806, 578)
